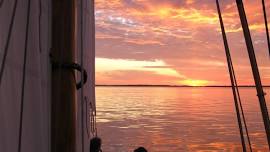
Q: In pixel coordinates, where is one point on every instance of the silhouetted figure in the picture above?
(95, 145)
(140, 149)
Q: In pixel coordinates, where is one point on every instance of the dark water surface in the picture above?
(165, 119)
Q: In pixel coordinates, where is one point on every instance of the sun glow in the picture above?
(191, 82)
(164, 12)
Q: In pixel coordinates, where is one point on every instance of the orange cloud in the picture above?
(182, 34)
(144, 42)
(156, 66)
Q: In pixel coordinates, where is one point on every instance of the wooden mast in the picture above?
(63, 125)
(255, 69)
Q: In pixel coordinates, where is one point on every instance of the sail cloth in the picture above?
(36, 114)
(37, 99)
(86, 107)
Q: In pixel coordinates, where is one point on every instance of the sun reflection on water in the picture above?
(175, 119)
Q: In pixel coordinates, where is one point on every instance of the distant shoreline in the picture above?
(179, 86)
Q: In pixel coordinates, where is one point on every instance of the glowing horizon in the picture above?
(175, 42)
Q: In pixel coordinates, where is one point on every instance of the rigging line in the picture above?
(254, 66)
(82, 75)
(241, 107)
(227, 51)
(239, 99)
(8, 40)
(266, 25)
(24, 74)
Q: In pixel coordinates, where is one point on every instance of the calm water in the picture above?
(175, 119)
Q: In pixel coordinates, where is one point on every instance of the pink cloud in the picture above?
(184, 34)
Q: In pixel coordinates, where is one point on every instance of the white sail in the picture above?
(36, 114)
(36, 121)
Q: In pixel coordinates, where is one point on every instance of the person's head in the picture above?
(95, 144)
(140, 149)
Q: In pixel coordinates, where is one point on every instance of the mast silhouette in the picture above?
(266, 25)
(254, 66)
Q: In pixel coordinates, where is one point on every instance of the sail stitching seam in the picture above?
(24, 74)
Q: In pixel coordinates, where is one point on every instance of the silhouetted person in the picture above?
(95, 145)
(140, 149)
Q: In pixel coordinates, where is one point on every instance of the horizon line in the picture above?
(157, 85)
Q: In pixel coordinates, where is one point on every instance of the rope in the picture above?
(254, 66)
(8, 39)
(71, 66)
(232, 76)
(239, 99)
(266, 25)
(24, 75)
(240, 103)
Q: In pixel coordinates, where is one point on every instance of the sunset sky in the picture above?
(175, 42)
